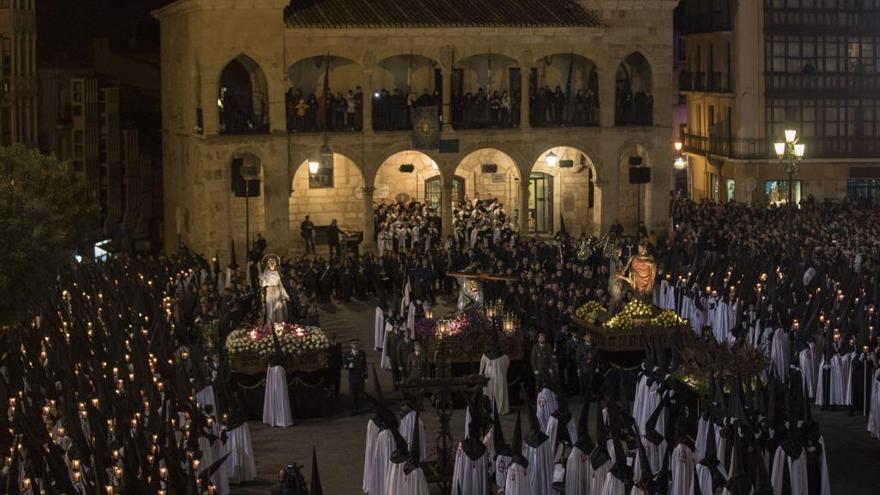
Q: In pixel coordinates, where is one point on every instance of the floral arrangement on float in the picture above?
(636, 314)
(302, 346)
(591, 311)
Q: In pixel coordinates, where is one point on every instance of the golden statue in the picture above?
(640, 272)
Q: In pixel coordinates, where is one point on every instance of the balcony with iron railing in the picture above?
(727, 146)
(851, 20)
(711, 82)
(718, 82)
(778, 83)
(762, 149)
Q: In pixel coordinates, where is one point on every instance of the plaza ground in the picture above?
(853, 456)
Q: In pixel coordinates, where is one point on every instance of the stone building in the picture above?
(237, 81)
(18, 70)
(753, 70)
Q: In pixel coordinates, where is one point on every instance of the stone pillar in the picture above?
(607, 97)
(524, 90)
(524, 206)
(369, 244)
(446, 208)
(446, 109)
(276, 190)
(367, 87)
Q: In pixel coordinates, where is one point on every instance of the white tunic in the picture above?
(808, 371)
(471, 475)
(874, 414)
(797, 469)
(276, 402)
(372, 433)
(682, 466)
(381, 452)
(379, 330)
(540, 467)
(553, 430)
(496, 388)
(517, 482)
(405, 429)
(780, 353)
(577, 473)
(546, 406)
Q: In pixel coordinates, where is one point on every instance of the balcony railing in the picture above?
(478, 112)
(719, 82)
(777, 82)
(730, 147)
(578, 113)
(685, 80)
(756, 149)
(822, 20)
(700, 81)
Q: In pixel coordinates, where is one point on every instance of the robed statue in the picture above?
(274, 295)
(640, 272)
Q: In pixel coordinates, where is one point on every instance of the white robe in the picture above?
(540, 470)
(597, 477)
(808, 371)
(379, 330)
(613, 486)
(496, 388)
(682, 467)
(780, 353)
(406, 427)
(841, 379)
(395, 481)
(415, 483)
(705, 479)
(553, 430)
(381, 452)
(276, 402)
(577, 474)
(500, 465)
(517, 482)
(823, 382)
(372, 433)
(874, 414)
(471, 475)
(797, 469)
(385, 360)
(240, 463)
(546, 406)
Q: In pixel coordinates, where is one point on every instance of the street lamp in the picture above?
(790, 152)
(313, 167)
(551, 159)
(249, 172)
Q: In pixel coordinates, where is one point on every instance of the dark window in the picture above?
(864, 192)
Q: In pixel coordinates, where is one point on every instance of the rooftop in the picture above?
(438, 13)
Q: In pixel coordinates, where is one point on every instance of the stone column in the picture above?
(524, 206)
(524, 90)
(369, 244)
(276, 190)
(446, 109)
(367, 87)
(607, 96)
(446, 208)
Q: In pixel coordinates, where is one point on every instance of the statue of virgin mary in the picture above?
(275, 296)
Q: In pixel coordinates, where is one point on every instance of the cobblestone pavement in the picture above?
(854, 458)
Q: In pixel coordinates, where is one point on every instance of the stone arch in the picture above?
(634, 100)
(400, 82)
(393, 180)
(474, 82)
(309, 78)
(503, 183)
(312, 195)
(243, 97)
(577, 195)
(577, 78)
(302, 157)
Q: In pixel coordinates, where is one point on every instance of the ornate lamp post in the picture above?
(790, 153)
(249, 172)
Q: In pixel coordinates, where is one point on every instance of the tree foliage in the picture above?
(46, 212)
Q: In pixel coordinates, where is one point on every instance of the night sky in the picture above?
(67, 26)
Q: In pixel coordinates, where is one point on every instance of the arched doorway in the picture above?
(486, 92)
(563, 186)
(564, 91)
(401, 83)
(243, 99)
(404, 177)
(491, 173)
(247, 201)
(325, 94)
(334, 191)
(633, 86)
